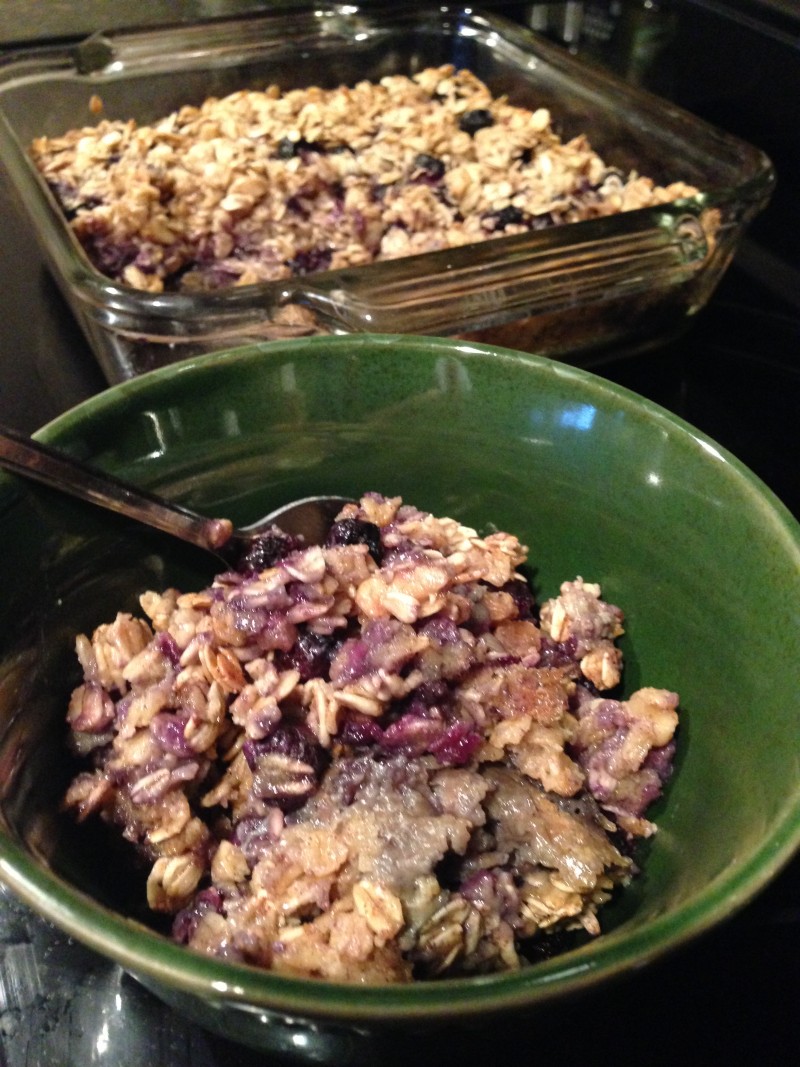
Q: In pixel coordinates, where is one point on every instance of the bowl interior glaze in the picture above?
(598, 482)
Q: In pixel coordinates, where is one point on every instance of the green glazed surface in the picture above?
(702, 558)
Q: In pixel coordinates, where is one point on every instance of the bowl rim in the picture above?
(146, 953)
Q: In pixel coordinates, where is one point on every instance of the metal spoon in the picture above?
(308, 518)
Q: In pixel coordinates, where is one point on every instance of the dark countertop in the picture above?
(728, 997)
(28, 21)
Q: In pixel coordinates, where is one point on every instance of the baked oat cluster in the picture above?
(266, 185)
(373, 760)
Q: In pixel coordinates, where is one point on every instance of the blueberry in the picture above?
(310, 260)
(523, 596)
(295, 742)
(286, 766)
(268, 550)
(427, 168)
(286, 148)
(188, 919)
(507, 216)
(457, 744)
(356, 532)
(478, 119)
(310, 655)
(297, 207)
(360, 730)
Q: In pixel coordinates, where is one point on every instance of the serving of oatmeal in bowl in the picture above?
(475, 751)
(372, 760)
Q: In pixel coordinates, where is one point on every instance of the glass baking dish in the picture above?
(574, 291)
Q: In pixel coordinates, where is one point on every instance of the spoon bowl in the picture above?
(307, 519)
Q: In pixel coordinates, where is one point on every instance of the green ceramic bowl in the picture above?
(598, 482)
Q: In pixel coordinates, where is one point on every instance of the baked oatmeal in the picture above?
(374, 760)
(266, 185)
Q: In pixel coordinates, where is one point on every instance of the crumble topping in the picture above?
(373, 760)
(266, 185)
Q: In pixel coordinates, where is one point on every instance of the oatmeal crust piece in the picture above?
(372, 760)
(264, 185)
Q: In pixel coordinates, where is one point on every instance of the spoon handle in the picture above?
(33, 459)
